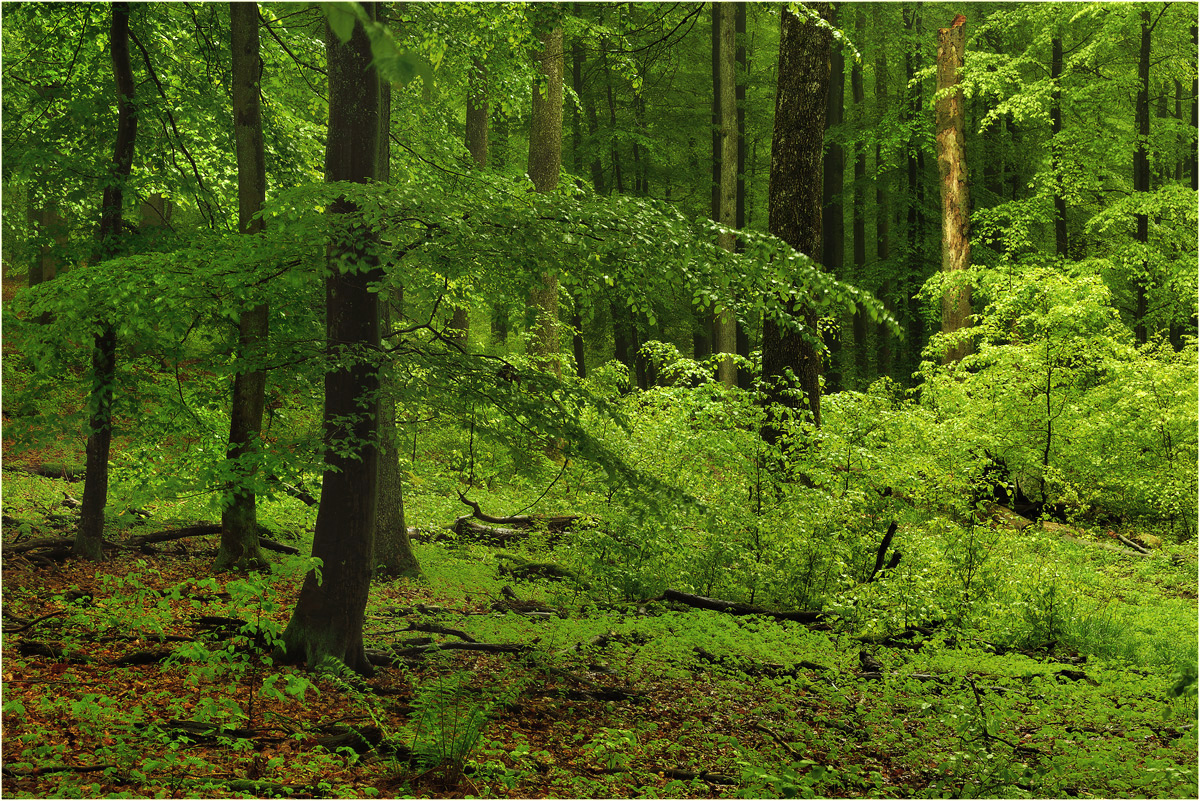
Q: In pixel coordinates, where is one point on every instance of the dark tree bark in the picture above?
(50, 225)
(745, 376)
(883, 206)
(588, 101)
(1060, 200)
(328, 619)
(545, 161)
(1141, 173)
(915, 196)
(858, 227)
(833, 222)
(90, 536)
(478, 114)
(1194, 159)
(952, 169)
(239, 521)
(792, 358)
(725, 99)
(394, 557)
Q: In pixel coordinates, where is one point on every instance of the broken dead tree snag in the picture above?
(737, 608)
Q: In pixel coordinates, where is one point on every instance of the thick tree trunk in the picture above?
(794, 207)
(239, 521)
(725, 95)
(328, 619)
(833, 221)
(1060, 200)
(952, 170)
(90, 536)
(1141, 174)
(545, 160)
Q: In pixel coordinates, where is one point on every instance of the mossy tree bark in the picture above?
(791, 360)
(327, 622)
(89, 539)
(239, 521)
(956, 205)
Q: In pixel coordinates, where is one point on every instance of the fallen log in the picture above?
(554, 523)
(1135, 546)
(60, 547)
(522, 568)
(68, 474)
(482, 647)
(704, 776)
(735, 607)
(197, 732)
(750, 667)
(299, 493)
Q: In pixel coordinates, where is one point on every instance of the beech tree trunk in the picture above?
(914, 317)
(478, 114)
(789, 358)
(239, 520)
(858, 230)
(952, 170)
(1060, 200)
(883, 206)
(724, 92)
(328, 619)
(394, 557)
(89, 538)
(833, 221)
(545, 161)
(745, 376)
(1141, 174)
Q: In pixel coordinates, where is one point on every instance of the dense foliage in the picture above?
(1077, 409)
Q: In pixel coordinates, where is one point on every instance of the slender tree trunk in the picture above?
(883, 208)
(545, 160)
(1060, 200)
(833, 233)
(618, 181)
(792, 359)
(328, 619)
(49, 225)
(915, 196)
(394, 557)
(1141, 174)
(745, 376)
(478, 114)
(858, 233)
(1194, 158)
(588, 101)
(239, 521)
(952, 169)
(724, 92)
(89, 538)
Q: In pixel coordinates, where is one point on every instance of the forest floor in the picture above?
(143, 676)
